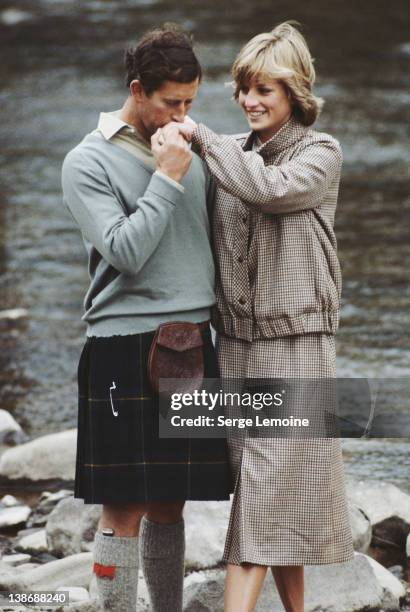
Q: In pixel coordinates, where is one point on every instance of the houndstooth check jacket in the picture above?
(278, 272)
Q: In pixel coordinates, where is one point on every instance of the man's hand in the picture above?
(185, 127)
(171, 152)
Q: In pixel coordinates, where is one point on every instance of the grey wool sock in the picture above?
(162, 559)
(116, 569)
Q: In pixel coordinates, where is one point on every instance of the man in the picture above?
(142, 211)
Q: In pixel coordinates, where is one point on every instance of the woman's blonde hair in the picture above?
(281, 54)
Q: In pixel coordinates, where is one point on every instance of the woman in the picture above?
(277, 312)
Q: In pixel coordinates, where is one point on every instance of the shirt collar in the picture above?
(110, 124)
(287, 135)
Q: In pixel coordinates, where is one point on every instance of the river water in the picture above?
(62, 66)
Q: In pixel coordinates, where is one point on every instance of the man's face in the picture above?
(171, 102)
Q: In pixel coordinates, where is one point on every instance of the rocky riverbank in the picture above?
(47, 538)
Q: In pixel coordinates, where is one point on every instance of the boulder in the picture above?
(46, 503)
(33, 542)
(6, 545)
(13, 314)
(76, 594)
(10, 578)
(71, 526)
(396, 570)
(10, 431)
(344, 587)
(204, 591)
(393, 589)
(48, 457)
(379, 500)
(7, 501)
(14, 560)
(14, 515)
(28, 566)
(388, 509)
(75, 570)
(206, 524)
(391, 534)
(361, 528)
(91, 605)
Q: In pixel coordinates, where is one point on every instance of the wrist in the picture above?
(175, 176)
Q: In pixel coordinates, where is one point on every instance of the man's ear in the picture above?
(136, 90)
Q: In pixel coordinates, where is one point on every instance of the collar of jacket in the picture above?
(289, 133)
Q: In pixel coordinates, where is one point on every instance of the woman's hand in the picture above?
(171, 152)
(185, 128)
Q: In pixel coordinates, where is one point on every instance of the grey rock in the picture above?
(17, 559)
(91, 516)
(10, 431)
(24, 567)
(75, 570)
(396, 570)
(6, 546)
(335, 587)
(48, 457)
(361, 528)
(26, 531)
(92, 605)
(379, 500)
(45, 505)
(11, 579)
(345, 587)
(71, 526)
(49, 500)
(14, 515)
(206, 524)
(43, 557)
(34, 542)
(204, 591)
(8, 501)
(76, 594)
(13, 314)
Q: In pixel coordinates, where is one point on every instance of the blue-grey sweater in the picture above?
(148, 244)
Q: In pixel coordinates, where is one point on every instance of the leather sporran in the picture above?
(176, 353)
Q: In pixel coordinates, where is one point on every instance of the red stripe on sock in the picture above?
(104, 571)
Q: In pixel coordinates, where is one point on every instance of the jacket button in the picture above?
(240, 259)
(245, 219)
(242, 301)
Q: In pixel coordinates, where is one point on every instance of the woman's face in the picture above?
(266, 106)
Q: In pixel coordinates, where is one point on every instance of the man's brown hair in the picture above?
(163, 54)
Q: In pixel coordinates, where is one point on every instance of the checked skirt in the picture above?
(289, 505)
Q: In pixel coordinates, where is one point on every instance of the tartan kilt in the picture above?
(289, 505)
(121, 459)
